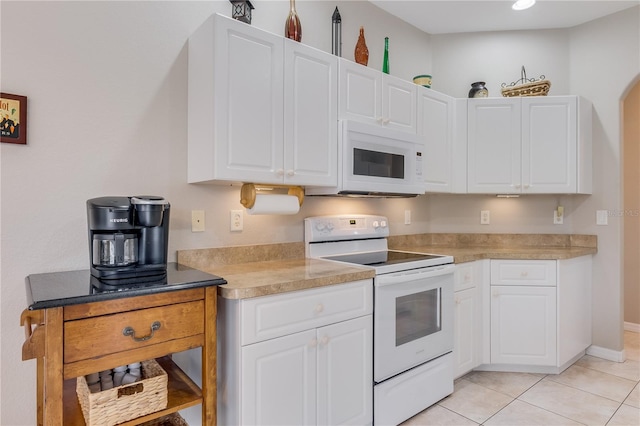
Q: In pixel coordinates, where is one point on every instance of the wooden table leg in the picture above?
(209, 359)
(53, 377)
(40, 390)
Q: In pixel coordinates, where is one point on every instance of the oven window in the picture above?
(418, 315)
(375, 163)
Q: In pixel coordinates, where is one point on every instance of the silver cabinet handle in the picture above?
(129, 331)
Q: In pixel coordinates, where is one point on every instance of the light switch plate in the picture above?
(602, 217)
(197, 220)
(407, 217)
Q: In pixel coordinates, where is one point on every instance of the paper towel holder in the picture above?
(249, 191)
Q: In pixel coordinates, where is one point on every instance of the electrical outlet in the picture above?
(235, 218)
(558, 219)
(485, 217)
(407, 217)
(197, 220)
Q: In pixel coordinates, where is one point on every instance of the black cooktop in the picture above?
(74, 287)
(380, 258)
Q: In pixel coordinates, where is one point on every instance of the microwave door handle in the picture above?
(412, 275)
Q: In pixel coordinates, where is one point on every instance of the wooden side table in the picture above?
(78, 339)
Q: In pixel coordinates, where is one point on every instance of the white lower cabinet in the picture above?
(523, 325)
(467, 317)
(299, 358)
(539, 313)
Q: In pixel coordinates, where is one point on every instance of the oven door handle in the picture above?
(412, 275)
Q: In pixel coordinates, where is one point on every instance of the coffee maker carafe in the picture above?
(128, 238)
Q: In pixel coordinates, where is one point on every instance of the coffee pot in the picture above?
(128, 238)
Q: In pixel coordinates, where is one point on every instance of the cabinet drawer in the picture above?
(463, 276)
(278, 315)
(523, 272)
(103, 335)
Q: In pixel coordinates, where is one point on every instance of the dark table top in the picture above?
(57, 289)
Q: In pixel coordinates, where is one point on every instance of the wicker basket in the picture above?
(538, 88)
(126, 402)
(174, 419)
(528, 86)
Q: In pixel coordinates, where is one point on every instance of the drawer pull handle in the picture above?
(129, 331)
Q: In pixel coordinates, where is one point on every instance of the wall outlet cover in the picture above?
(485, 217)
(197, 220)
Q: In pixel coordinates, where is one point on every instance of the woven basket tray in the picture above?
(538, 88)
(126, 402)
(174, 419)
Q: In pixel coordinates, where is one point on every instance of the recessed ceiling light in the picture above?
(523, 4)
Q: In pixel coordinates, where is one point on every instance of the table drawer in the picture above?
(523, 272)
(278, 315)
(103, 335)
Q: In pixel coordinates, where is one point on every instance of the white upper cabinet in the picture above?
(310, 116)
(529, 145)
(261, 108)
(442, 126)
(235, 106)
(370, 96)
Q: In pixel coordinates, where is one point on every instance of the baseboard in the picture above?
(629, 326)
(608, 354)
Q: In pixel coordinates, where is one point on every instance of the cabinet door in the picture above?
(465, 331)
(310, 116)
(250, 99)
(549, 145)
(435, 126)
(345, 372)
(494, 146)
(359, 92)
(278, 384)
(523, 325)
(235, 103)
(399, 104)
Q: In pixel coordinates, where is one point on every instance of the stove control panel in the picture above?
(345, 227)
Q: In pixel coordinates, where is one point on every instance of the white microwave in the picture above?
(376, 161)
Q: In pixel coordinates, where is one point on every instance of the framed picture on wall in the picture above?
(13, 118)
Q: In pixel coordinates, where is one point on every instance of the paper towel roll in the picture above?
(275, 204)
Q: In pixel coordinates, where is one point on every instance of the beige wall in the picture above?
(631, 184)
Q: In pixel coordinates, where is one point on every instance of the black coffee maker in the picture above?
(128, 238)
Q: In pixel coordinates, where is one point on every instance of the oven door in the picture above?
(413, 318)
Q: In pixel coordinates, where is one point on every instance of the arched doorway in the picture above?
(631, 206)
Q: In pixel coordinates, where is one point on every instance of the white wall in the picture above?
(106, 83)
(605, 61)
(497, 58)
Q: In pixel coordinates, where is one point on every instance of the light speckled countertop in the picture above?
(470, 247)
(260, 270)
(469, 254)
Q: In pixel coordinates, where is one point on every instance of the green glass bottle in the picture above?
(385, 61)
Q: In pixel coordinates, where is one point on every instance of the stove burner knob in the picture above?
(375, 224)
(329, 226)
(320, 226)
(383, 223)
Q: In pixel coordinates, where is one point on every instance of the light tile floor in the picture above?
(593, 391)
